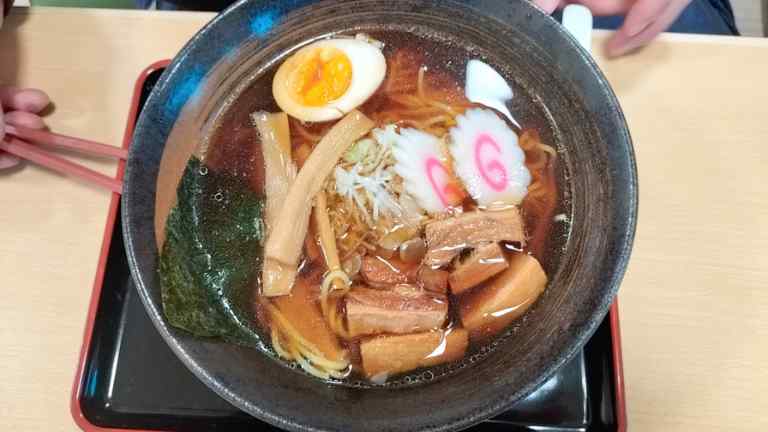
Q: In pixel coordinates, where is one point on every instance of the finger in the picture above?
(25, 119)
(605, 7)
(8, 160)
(548, 6)
(30, 100)
(622, 42)
(642, 14)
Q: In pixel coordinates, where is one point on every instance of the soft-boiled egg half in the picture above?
(329, 78)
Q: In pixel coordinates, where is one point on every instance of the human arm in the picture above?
(644, 19)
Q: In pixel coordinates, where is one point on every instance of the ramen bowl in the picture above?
(561, 91)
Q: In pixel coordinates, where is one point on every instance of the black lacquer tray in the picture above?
(128, 378)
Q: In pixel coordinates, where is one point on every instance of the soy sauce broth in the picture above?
(234, 149)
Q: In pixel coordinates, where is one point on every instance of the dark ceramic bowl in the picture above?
(576, 111)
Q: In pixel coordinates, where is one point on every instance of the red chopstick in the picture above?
(15, 146)
(63, 141)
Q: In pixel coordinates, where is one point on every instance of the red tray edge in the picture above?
(618, 368)
(75, 407)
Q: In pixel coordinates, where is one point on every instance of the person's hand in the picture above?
(19, 107)
(644, 19)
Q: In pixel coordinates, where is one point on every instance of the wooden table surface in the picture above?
(694, 303)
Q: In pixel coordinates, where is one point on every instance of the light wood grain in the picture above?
(694, 303)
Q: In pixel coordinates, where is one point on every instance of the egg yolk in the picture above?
(323, 76)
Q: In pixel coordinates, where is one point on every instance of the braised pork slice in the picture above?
(387, 355)
(379, 272)
(446, 238)
(403, 309)
(485, 262)
(490, 308)
(433, 280)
